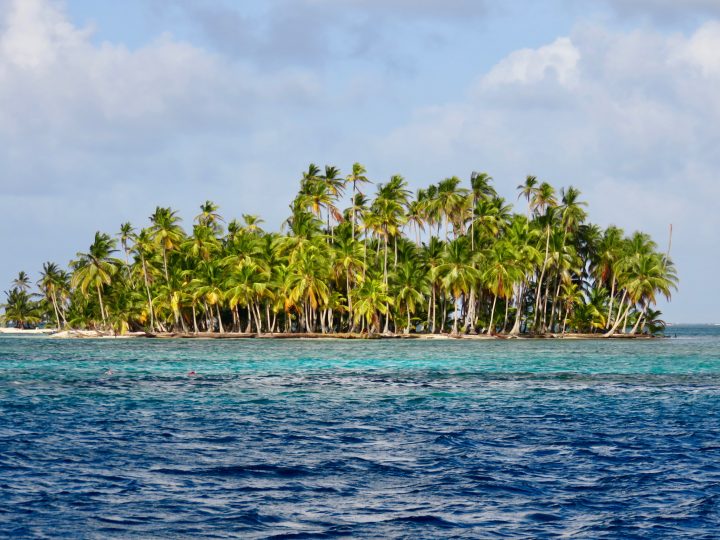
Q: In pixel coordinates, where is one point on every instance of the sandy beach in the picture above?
(97, 334)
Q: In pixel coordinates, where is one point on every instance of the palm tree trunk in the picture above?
(385, 273)
(55, 308)
(165, 266)
(470, 315)
(625, 320)
(353, 210)
(640, 318)
(102, 306)
(258, 319)
(182, 323)
(351, 322)
(612, 297)
(219, 316)
(554, 305)
(365, 240)
(209, 326)
(456, 315)
(540, 279)
(443, 320)
(248, 328)
(614, 328)
(149, 296)
(194, 312)
(430, 318)
(518, 315)
(546, 297)
(507, 310)
(472, 225)
(491, 325)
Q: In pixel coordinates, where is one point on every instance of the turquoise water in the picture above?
(114, 438)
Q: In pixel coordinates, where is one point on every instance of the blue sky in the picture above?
(108, 109)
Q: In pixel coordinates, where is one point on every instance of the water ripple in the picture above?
(332, 439)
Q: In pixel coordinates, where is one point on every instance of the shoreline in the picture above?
(97, 334)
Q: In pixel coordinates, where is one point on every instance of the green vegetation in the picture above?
(450, 259)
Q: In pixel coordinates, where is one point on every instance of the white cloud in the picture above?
(701, 50)
(557, 61)
(55, 81)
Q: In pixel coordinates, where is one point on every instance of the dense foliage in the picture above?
(449, 259)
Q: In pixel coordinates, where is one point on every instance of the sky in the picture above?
(109, 109)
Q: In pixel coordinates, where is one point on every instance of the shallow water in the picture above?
(299, 439)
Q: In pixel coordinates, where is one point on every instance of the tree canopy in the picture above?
(450, 258)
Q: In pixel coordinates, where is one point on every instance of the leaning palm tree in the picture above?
(96, 268)
(52, 284)
(144, 248)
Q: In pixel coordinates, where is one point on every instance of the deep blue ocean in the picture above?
(376, 439)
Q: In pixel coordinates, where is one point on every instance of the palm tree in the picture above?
(22, 282)
(96, 269)
(126, 234)
(501, 274)
(459, 274)
(529, 191)
(450, 199)
(481, 188)
(371, 300)
(387, 213)
(335, 186)
(305, 282)
(208, 285)
(348, 260)
(167, 234)
(209, 217)
(20, 308)
(252, 223)
(410, 282)
(144, 248)
(52, 283)
(605, 263)
(356, 177)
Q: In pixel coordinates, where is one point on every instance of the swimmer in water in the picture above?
(109, 372)
(191, 373)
